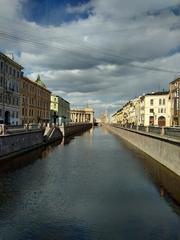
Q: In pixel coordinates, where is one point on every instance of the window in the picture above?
(1, 81)
(10, 70)
(160, 101)
(151, 110)
(2, 65)
(17, 114)
(164, 101)
(0, 112)
(151, 102)
(161, 110)
(17, 101)
(14, 72)
(1, 97)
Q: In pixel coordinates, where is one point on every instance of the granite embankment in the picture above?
(16, 141)
(164, 149)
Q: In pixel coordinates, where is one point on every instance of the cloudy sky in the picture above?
(96, 52)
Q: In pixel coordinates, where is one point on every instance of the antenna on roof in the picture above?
(10, 55)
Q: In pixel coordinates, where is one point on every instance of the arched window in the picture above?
(161, 121)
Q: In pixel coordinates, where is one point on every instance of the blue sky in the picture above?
(100, 52)
(52, 12)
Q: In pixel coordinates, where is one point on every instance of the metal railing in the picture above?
(12, 129)
(153, 129)
(173, 132)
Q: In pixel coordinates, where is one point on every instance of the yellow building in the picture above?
(54, 104)
(151, 109)
(82, 115)
(35, 101)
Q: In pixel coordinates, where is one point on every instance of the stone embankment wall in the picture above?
(75, 128)
(55, 133)
(22, 140)
(165, 150)
(18, 143)
(52, 134)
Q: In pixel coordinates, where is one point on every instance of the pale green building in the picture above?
(60, 110)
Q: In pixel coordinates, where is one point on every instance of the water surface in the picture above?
(95, 186)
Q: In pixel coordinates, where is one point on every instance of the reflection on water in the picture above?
(167, 183)
(90, 186)
(21, 161)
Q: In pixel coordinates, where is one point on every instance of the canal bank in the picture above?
(25, 140)
(166, 150)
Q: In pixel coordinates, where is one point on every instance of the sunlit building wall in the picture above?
(10, 79)
(174, 91)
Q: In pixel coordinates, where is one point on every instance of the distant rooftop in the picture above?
(40, 82)
(176, 80)
(157, 93)
(2, 55)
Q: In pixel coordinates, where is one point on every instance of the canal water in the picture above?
(94, 186)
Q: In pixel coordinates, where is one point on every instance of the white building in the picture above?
(85, 115)
(155, 109)
(10, 76)
(152, 109)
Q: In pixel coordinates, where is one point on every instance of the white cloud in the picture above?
(81, 8)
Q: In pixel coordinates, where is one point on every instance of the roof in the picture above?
(157, 93)
(176, 80)
(82, 110)
(40, 82)
(35, 83)
(54, 95)
(6, 58)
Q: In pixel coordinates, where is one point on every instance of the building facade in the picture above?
(174, 91)
(152, 109)
(60, 110)
(10, 78)
(82, 115)
(35, 101)
(157, 109)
